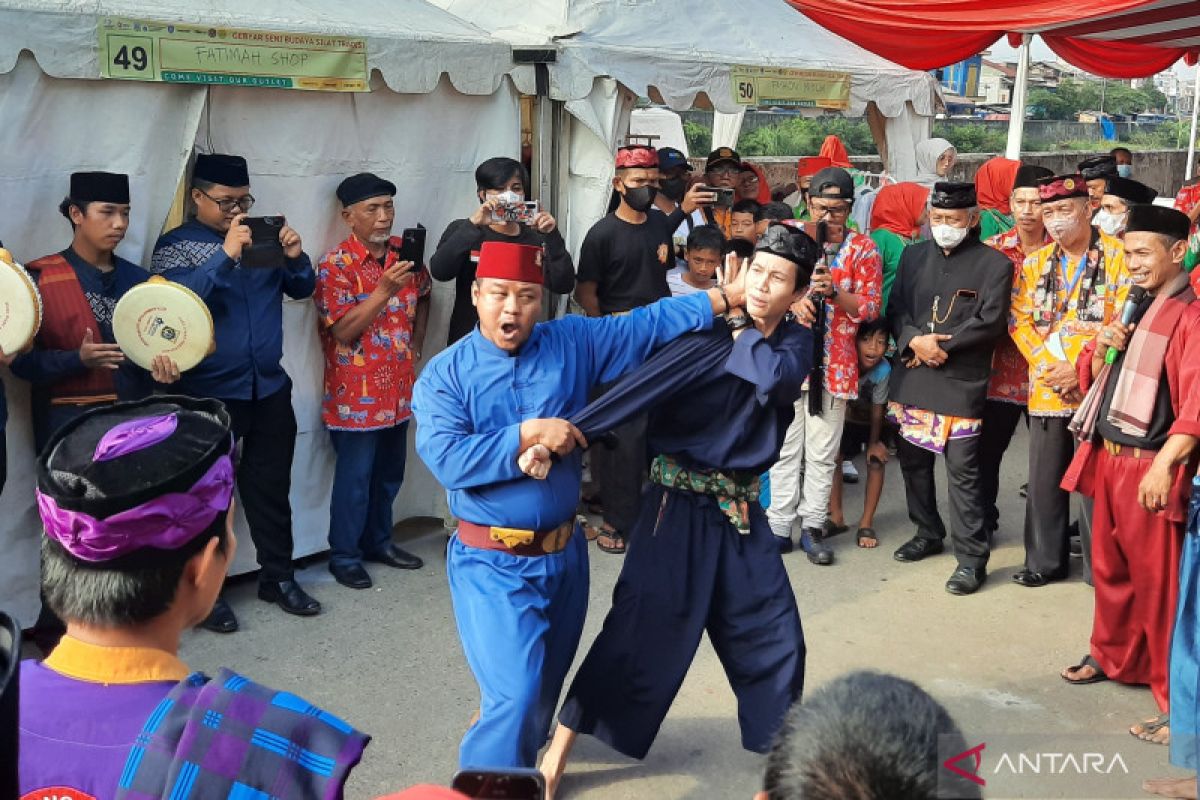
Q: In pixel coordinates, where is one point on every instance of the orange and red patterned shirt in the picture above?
(368, 384)
(1010, 370)
(856, 269)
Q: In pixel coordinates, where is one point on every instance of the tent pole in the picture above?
(1016, 113)
(1191, 159)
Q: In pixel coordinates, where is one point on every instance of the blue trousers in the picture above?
(688, 571)
(366, 480)
(520, 619)
(1185, 648)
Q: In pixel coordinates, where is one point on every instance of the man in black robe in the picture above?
(947, 310)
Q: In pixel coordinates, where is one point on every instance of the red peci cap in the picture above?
(1061, 187)
(637, 156)
(510, 262)
(810, 165)
(426, 792)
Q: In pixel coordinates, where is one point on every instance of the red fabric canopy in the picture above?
(1110, 38)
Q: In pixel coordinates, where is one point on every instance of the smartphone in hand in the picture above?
(501, 784)
(265, 249)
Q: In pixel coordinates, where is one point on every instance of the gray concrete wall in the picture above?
(1160, 169)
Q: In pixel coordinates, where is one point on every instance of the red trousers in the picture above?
(1135, 565)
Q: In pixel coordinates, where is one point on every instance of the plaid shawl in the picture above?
(232, 738)
(1141, 370)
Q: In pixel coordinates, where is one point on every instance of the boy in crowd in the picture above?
(864, 426)
(744, 219)
(702, 257)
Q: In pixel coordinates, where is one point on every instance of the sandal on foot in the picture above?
(590, 531)
(1087, 661)
(616, 537)
(1151, 727)
(869, 535)
(833, 529)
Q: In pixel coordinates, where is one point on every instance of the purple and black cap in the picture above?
(136, 477)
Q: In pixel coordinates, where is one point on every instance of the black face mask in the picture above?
(674, 188)
(641, 198)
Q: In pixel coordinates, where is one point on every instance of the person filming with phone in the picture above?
(845, 290)
(505, 214)
(206, 254)
(373, 302)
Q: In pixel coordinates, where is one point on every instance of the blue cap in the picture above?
(669, 158)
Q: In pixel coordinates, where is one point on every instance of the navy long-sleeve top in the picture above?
(716, 403)
(246, 306)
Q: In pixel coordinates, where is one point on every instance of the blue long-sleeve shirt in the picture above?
(246, 306)
(472, 397)
(43, 367)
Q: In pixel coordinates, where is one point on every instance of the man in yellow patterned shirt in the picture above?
(1067, 292)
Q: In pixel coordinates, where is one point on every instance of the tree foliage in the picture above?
(1113, 97)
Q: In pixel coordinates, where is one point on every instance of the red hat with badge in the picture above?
(637, 156)
(510, 262)
(1061, 187)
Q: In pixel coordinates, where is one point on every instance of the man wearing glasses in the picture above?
(244, 372)
(846, 289)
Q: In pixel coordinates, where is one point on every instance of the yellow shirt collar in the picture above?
(97, 664)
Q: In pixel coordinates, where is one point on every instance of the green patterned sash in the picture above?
(733, 493)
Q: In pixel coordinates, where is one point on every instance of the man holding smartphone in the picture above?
(245, 371)
(947, 311)
(846, 289)
(374, 306)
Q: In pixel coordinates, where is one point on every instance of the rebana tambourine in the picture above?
(160, 317)
(20, 306)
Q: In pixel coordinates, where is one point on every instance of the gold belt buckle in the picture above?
(512, 537)
(556, 540)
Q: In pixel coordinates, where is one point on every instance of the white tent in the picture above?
(440, 104)
(681, 53)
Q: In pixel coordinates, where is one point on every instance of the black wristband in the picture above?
(724, 298)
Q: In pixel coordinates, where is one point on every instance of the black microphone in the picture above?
(1136, 295)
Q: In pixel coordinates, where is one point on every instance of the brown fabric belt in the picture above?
(1124, 451)
(516, 541)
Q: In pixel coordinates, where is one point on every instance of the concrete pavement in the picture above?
(388, 659)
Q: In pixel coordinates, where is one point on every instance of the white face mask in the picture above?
(948, 236)
(1112, 224)
(509, 196)
(1125, 170)
(1062, 228)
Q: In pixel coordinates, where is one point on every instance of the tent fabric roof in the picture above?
(682, 48)
(411, 42)
(1111, 38)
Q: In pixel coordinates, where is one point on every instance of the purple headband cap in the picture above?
(134, 435)
(166, 523)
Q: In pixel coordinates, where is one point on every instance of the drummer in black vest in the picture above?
(245, 371)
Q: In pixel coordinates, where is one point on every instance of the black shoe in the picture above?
(220, 619)
(351, 575)
(966, 580)
(395, 557)
(918, 548)
(785, 544)
(1033, 580)
(818, 552)
(290, 597)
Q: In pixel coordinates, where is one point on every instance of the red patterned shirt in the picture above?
(856, 269)
(368, 384)
(1010, 370)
